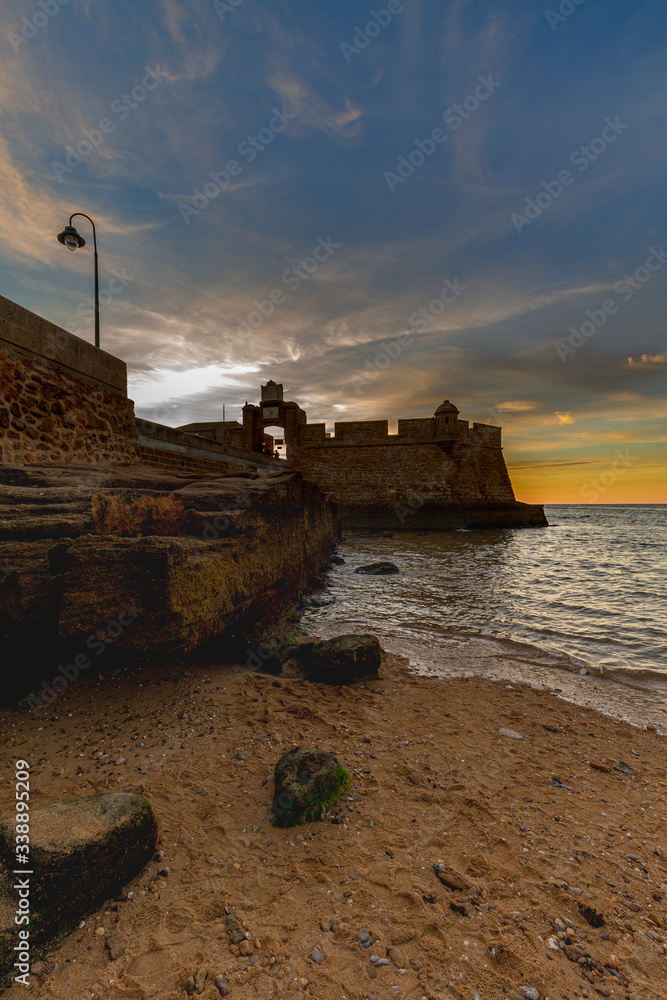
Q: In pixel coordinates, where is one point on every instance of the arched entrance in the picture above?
(273, 412)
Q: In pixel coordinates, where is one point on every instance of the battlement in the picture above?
(416, 430)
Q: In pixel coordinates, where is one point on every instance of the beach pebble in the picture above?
(317, 956)
(364, 937)
(117, 945)
(200, 979)
(222, 985)
(510, 732)
(379, 962)
(553, 944)
(395, 956)
(246, 948)
(529, 992)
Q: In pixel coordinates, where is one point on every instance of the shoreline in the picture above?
(540, 829)
(640, 702)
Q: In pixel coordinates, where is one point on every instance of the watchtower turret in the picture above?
(447, 418)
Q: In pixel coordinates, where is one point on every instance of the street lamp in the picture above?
(73, 241)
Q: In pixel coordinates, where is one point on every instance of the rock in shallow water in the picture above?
(343, 659)
(378, 569)
(307, 784)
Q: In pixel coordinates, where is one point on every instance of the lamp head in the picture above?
(71, 239)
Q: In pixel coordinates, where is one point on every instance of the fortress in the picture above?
(64, 401)
(436, 473)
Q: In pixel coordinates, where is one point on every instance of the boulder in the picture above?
(307, 784)
(344, 659)
(378, 569)
(84, 850)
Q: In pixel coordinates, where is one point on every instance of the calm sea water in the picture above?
(587, 593)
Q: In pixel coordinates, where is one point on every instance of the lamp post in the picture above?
(73, 241)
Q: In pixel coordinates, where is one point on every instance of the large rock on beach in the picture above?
(83, 851)
(307, 784)
(343, 659)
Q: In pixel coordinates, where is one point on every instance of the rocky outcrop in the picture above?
(342, 660)
(84, 850)
(307, 784)
(146, 563)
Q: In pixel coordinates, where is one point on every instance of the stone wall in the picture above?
(388, 478)
(175, 450)
(61, 399)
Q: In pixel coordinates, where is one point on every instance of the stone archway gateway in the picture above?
(272, 411)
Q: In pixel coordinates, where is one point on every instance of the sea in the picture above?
(579, 607)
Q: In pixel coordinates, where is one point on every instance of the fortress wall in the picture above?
(312, 434)
(61, 399)
(362, 431)
(421, 429)
(382, 477)
(486, 434)
(173, 450)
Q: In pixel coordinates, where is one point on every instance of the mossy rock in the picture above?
(343, 659)
(307, 784)
(84, 850)
(297, 650)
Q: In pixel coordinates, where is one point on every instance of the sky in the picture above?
(380, 206)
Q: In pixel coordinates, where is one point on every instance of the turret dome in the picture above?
(446, 409)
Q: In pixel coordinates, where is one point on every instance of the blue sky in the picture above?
(316, 106)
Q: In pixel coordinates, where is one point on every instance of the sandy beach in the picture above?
(479, 862)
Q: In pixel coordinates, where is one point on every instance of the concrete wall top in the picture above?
(26, 334)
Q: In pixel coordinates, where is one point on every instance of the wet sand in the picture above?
(528, 829)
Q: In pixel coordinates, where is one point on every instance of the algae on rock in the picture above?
(307, 784)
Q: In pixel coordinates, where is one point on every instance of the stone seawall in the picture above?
(414, 486)
(61, 399)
